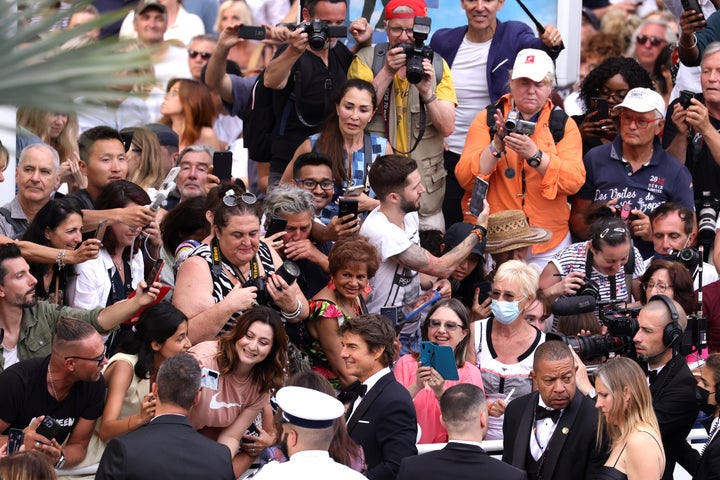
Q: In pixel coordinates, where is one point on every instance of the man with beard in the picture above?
(551, 433)
(28, 325)
(65, 388)
(307, 428)
(393, 228)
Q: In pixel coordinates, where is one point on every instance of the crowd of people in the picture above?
(420, 249)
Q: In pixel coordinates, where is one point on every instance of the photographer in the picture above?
(429, 102)
(533, 172)
(607, 267)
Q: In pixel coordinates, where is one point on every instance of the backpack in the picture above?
(558, 119)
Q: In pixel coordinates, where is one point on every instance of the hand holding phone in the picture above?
(100, 231)
(222, 164)
(347, 207)
(477, 198)
(601, 108)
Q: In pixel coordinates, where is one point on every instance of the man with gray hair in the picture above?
(37, 176)
(648, 40)
(296, 206)
(194, 162)
(168, 446)
(463, 412)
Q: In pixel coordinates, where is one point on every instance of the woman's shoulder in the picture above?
(322, 307)
(204, 352)
(640, 438)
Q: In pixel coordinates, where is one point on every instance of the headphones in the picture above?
(672, 331)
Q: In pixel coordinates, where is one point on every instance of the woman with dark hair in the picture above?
(448, 323)
(241, 369)
(119, 268)
(58, 224)
(188, 109)
(671, 279)
(352, 261)
(218, 282)
(611, 80)
(343, 138)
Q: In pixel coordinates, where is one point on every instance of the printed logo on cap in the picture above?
(530, 59)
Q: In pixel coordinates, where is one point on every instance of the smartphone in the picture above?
(601, 107)
(222, 164)
(166, 187)
(478, 196)
(100, 231)
(16, 436)
(276, 225)
(154, 273)
(485, 289)
(48, 428)
(251, 32)
(625, 213)
(691, 5)
(346, 207)
(509, 396)
(391, 313)
(354, 191)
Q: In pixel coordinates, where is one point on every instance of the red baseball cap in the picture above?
(418, 6)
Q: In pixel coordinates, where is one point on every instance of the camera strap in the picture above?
(218, 259)
(386, 122)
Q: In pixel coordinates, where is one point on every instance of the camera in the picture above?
(707, 207)
(319, 31)
(418, 51)
(513, 123)
(685, 97)
(589, 288)
(689, 257)
(289, 271)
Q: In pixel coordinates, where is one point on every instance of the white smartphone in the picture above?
(509, 396)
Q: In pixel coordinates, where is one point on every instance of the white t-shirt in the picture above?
(187, 25)
(393, 284)
(10, 357)
(471, 87)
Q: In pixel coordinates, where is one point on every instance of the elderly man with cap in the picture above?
(634, 171)
(528, 152)
(307, 427)
(420, 112)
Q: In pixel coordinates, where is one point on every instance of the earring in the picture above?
(331, 284)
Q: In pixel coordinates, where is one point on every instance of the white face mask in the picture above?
(505, 312)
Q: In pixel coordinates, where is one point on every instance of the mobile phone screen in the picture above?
(222, 165)
(478, 196)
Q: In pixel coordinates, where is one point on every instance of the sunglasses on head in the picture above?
(231, 200)
(654, 41)
(204, 55)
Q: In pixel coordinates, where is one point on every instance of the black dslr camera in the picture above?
(319, 31)
(289, 271)
(417, 51)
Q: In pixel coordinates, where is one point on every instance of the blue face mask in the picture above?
(505, 312)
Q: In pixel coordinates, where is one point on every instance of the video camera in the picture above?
(515, 124)
(319, 31)
(418, 51)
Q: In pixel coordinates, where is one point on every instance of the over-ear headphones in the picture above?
(672, 331)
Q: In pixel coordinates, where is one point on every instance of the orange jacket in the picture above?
(545, 200)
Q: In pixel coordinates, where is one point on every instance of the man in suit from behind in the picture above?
(551, 433)
(168, 447)
(382, 418)
(707, 461)
(464, 415)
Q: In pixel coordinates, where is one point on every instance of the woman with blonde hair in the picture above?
(144, 159)
(626, 411)
(30, 465)
(188, 109)
(251, 55)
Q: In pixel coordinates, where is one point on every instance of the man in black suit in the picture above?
(168, 447)
(672, 384)
(708, 462)
(551, 433)
(382, 418)
(464, 415)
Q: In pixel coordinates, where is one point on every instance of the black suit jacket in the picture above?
(459, 461)
(385, 425)
(673, 398)
(166, 448)
(571, 452)
(709, 464)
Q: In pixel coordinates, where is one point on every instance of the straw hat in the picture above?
(509, 230)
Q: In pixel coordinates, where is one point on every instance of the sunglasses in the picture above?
(204, 55)
(99, 359)
(654, 41)
(231, 200)
(448, 326)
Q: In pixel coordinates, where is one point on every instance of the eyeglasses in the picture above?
(617, 95)
(231, 200)
(310, 184)
(397, 31)
(654, 41)
(99, 359)
(204, 55)
(640, 122)
(614, 233)
(660, 287)
(448, 326)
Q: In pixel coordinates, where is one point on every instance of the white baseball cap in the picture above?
(643, 100)
(533, 64)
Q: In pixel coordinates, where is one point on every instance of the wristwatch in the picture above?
(592, 393)
(535, 160)
(61, 461)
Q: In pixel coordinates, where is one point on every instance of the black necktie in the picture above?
(350, 393)
(542, 413)
(652, 375)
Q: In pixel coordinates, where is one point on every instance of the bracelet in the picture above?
(295, 314)
(691, 46)
(494, 151)
(480, 232)
(431, 99)
(60, 259)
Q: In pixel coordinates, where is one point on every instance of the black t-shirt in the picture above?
(699, 159)
(319, 83)
(25, 396)
(595, 3)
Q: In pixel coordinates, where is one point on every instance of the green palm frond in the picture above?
(37, 72)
